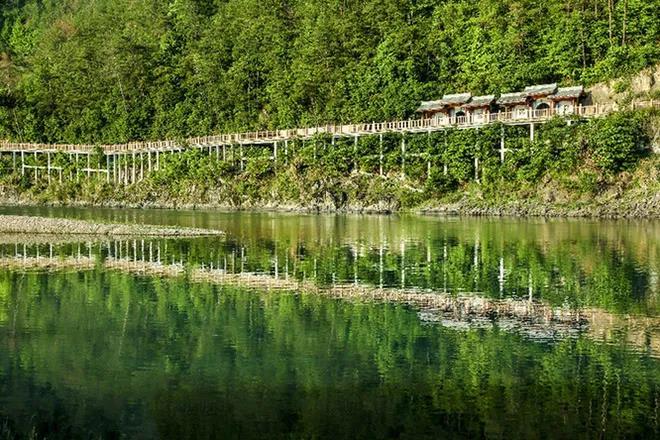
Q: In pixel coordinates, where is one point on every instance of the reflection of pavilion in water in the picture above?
(231, 264)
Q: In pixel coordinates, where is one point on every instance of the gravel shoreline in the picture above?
(18, 224)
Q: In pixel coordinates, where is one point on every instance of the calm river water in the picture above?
(245, 336)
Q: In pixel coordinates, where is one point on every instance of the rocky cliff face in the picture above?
(643, 85)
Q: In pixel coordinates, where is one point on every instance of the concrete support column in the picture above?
(502, 149)
(48, 165)
(403, 156)
(380, 159)
(476, 169)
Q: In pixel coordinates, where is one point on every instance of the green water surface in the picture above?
(100, 353)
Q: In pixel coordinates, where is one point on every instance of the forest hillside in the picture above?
(109, 71)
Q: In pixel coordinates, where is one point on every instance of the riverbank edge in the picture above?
(624, 208)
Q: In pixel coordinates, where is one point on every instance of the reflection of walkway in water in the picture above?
(532, 318)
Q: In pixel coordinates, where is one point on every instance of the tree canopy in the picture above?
(118, 70)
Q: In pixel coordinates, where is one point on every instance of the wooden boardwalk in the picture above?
(335, 131)
(129, 163)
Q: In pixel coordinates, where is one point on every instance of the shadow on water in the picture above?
(406, 328)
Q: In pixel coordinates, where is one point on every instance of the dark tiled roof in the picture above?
(541, 89)
(512, 98)
(568, 93)
(455, 99)
(427, 106)
(481, 101)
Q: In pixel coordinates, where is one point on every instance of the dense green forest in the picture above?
(106, 71)
(119, 70)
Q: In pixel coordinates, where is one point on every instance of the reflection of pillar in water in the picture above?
(501, 276)
(476, 260)
(315, 267)
(286, 265)
(380, 265)
(242, 259)
(403, 264)
(530, 290)
(355, 253)
(277, 270)
(444, 266)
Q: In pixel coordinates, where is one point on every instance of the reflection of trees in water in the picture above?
(106, 351)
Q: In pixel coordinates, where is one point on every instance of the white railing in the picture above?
(409, 125)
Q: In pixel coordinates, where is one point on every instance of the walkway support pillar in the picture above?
(428, 154)
(476, 169)
(286, 151)
(48, 165)
(502, 150)
(444, 164)
(381, 153)
(403, 155)
(531, 132)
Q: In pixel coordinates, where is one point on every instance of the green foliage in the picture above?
(118, 70)
(619, 141)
